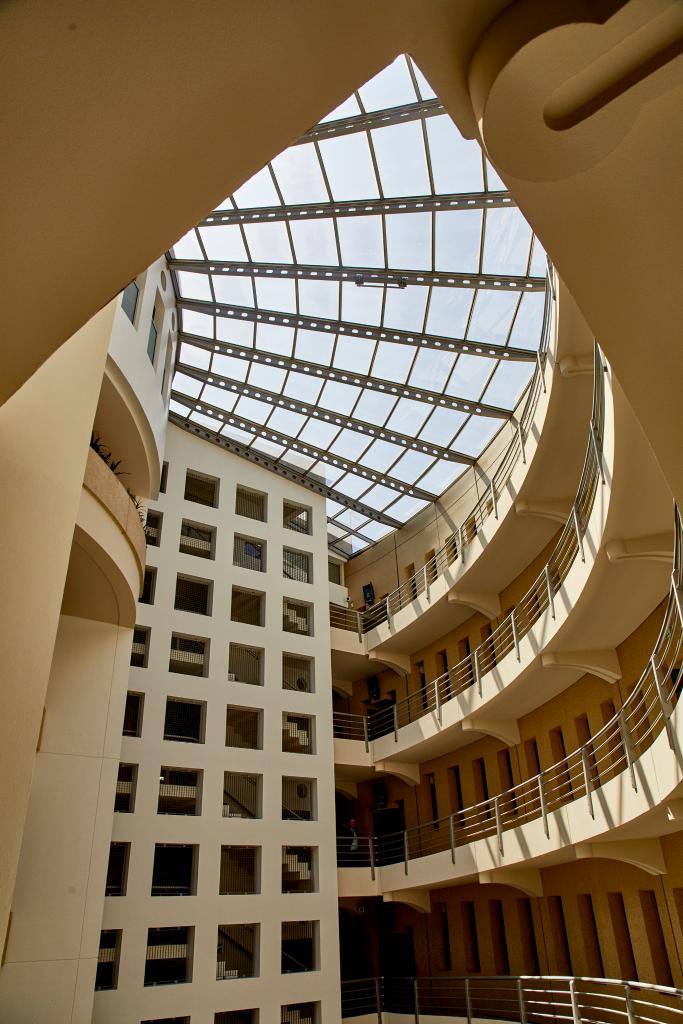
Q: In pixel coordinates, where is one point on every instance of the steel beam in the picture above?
(308, 450)
(260, 459)
(360, 275)
(327, 416)
(324, 373)
(374, 119)
(311, 323)
(364, 208)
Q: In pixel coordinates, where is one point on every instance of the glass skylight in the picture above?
(364, 313)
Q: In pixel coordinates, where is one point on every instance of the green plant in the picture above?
(113, 464)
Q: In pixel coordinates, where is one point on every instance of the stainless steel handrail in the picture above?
(486, 505)
(538, 599)
(614, 750)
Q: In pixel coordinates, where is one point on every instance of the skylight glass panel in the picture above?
(328, 474)
(239, 332)
(276, 293)
(194, 286)
(303, 386)
(507, 242)
(361, 305)
(539, 260)
(353, 520)
(458, 240)
(404, 308)
(442, 426)
(349, 108)
(354, 354)
(379, 496)
(258, 191)
(275, 338)
(477, 434)
(228, 366)
(314, 242)
(456, 162)
(375, 531)
(196, 323)
(441, 476)
(408, 416)
(286, 422)
(339, 397)
(193, 356)
(411, 466)
(526, 330)
(296, 459)
(219, 397)
(352, 485)
(470, 376)
(204, 421)
(393, 362)
(381, 455)
(270, 378)
(401, 159)
(223, 242)
(424, 88)
(350, 445)
(262, 444)
(357, 544)
(349, 167)
(374, 407)
(431, 369)
(188, 247)
(187, 385)
(492, 316)
(449, 311)
(361, 241)
(234, 291)
(405, 508)
(495, 182)
(392, 87)
(314, 346)
(252, 409)
(318, 433)
(319, 298)
(409, 241)
(299, 176)
(336, 531)
(508, 383)
(268, 243)
(177, 407)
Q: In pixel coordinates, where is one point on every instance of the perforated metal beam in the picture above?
(282, 470)
(375, 119)
(360, 275)
(326, 416)
(323, 373)
(363, 208)
(310, 323)
(307, 450)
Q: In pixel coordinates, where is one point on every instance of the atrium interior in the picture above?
(342, 550)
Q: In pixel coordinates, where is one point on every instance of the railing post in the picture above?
(371, 848)
(461, 545)
(437, 701)
(405, 852)
(451, 829)
(388, 609)
(378, 1000)
(549, 585)
(579, 536)
(468, 1001)
(359, 626)
(416, 1002)
(520, 994)
(598, 450)
(587, 782)
(366, 735)
(395, 723)
(499, 825)
(541, 370)
(630, 1009)
(628, 749)
(494, 500)
(515, 637)
(667, 710)
(477, 676)
(544, 806)
(576, 1011)
(520, 434)
(426, 581)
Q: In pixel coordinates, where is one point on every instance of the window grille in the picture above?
(334, 573)
(296, 565)
(250, 504)
(239, 870)
(153, 528)
(106, 975)
(129, 300)
(236, 951)
(200, 488)
(140, 649)
(297, 734)
(243, 728)
(168, 956)
(167, 1020)
(173, 869)
(249, 553)
(188, 656)
(241, 795)
(196, 540)
(246, 606)
(124, 799)
(236, 1017)
(245, 664)
(164, 478)
(299, 1013)
(179, 791)
(132, 716)
(297, 673)
(183, 721)
(296, 517)
(298, 799)
(297, 617)
(148, 586)
(117, 869)
(298, 869)
(298, 946)
(192, 596)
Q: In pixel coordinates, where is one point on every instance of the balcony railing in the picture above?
(506, 638)
(576, 1000)
(612, 751)
(487, 505)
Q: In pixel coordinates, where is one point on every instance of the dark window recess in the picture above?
(140, 649)
(241, 795)
(298, 869)
(192, 596)
(481, 787)
(164, 478)
(249, 554)
(196, 540)
(558, 931)
(106, 975)
(167, 1020)
(298, 946)
(501, 957)
(245, 665)
(250, 504)
(168, 956)
(445, 936)
(297, 673)
(173, 870)
(148, 586)
(132, 716)
(589, 934)
(334, 573)
(296, 565)
(188, 656)
(299, 1013)
(622, 936)
(152, 338)
(297, 734)
(183, 721)
(297, 617)
(117, 869)
(470, 938)
(236, 1017)
(153, 528)
(201, 489)
(296, 517)
(246, 606)
(178, 791)
(433, 802)
(655, 937)
(243, 728)
(239, 870)
(236, 951)
(457, 797)
(527, 932)
(129, 300)
(124, 799)
(298, 799)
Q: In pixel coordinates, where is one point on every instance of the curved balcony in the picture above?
(633, 764)
(510, 998)
(438, 705)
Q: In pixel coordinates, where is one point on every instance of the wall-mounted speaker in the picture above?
(368, 593)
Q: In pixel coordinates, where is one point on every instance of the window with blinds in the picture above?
(250, 504)
(247, 606)
(296, 517)
(299, 941)
(236, 1017)
(184, 721)
(239, 872)
(153, 528)
(237, 951)
(243, 727)
(297, 673)
(192, 595)
(297, 617)
(126, 782)
(249, 553)
(179, 791)
(297, 565)
(140, 650)
(201, 489)
(297, 733)
(197, 540)
(242, 795)
(245, 664)
(298, 799)
(189, 655)
(300, 1013)
(334, 572)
